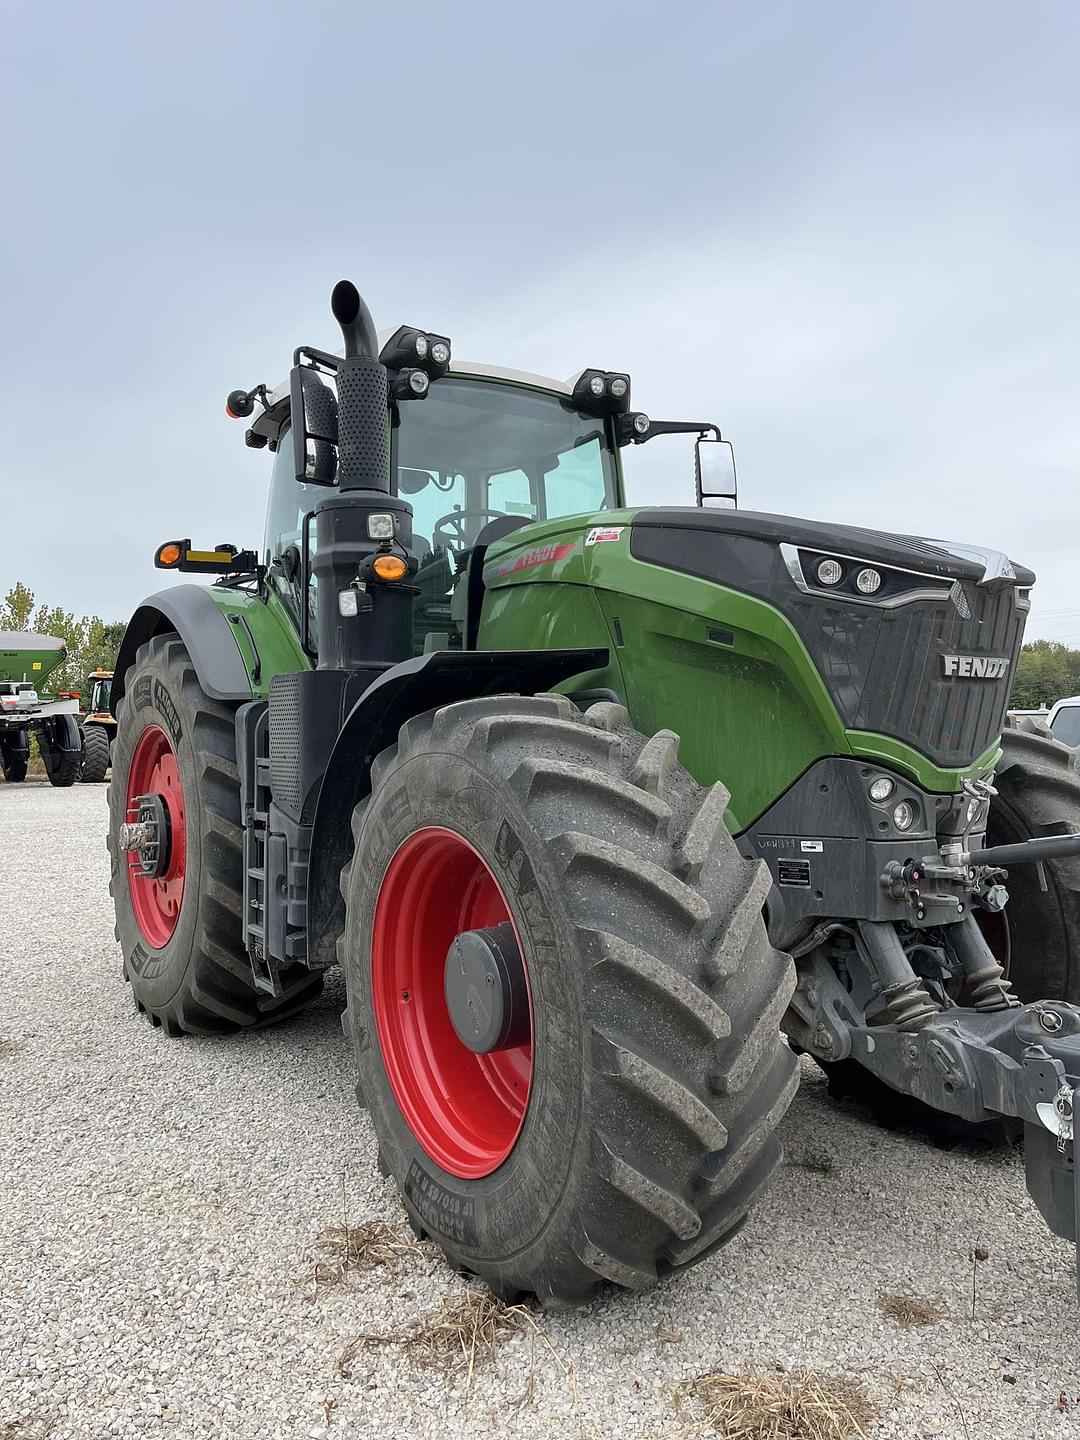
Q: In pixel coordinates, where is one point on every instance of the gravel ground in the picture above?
(157, 1196)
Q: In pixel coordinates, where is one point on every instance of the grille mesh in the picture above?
(885, 673)
(285, 778)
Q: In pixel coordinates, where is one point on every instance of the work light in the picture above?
(830, 572)
(409, 346)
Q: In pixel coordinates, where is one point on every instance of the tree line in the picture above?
(1047, 671)
(92, 643)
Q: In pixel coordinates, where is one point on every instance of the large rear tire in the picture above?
(96, 754)
(628, 1129)
(1039, 794)
(181, 932)
(61, 750)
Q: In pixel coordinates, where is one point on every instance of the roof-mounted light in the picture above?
(632, 429)
(409, 384)
(602, 392)
(409, 347)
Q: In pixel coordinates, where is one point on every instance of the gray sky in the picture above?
(846, 231)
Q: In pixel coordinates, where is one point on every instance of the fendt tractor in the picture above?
(606, 813)
(26, 662)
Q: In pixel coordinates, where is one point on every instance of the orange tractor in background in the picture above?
(98, 728)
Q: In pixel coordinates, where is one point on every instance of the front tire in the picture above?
(96, 755)
(631, 1129)
(181, 931)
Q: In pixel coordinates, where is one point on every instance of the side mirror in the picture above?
(714, 474)
(313, 417)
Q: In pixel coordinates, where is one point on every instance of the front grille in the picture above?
(884, 668)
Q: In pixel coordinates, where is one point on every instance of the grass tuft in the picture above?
(460, 1337)
(910, 1311)
(345, 1250)
(462, 1334)
(27, 1427)
(820, 1162)
(756, 1405)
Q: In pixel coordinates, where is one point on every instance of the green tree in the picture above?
(17, 607)
(91, 642)
(1046, 671)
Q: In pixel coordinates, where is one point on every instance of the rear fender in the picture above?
(408, 689)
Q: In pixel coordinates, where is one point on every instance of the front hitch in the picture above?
(1021, 1063)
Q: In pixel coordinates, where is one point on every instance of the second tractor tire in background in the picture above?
(96, 754)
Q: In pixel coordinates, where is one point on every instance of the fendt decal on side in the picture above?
(430, 732)
(975, 667)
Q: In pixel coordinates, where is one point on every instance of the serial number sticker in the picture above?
(811, 847)
(794, 872)
(600, 534)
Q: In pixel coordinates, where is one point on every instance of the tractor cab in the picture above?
(99, 689)
(487, 451)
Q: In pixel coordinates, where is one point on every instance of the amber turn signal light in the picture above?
(390, 567)
(168, 555)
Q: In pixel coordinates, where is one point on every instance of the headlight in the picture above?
(881, 789)
(903, 817)
(830, 572)
(868, 581)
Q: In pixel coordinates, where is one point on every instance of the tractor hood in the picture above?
(692, 528)
(915, 639)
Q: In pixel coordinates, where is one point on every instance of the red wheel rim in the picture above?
(156, 900)
(465, 1110)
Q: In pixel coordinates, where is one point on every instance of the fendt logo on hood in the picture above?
(974, 667)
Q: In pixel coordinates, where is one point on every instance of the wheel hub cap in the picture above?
(147, 837)
(486, 993)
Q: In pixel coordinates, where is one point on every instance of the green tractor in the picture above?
(26, 662)
(607, 814)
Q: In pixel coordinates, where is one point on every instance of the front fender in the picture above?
(416, 685)
(200, 623)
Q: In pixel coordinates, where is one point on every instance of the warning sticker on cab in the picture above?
(602, 533)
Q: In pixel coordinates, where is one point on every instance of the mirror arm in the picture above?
(627, 435)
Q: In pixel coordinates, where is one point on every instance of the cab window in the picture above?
(474, 450)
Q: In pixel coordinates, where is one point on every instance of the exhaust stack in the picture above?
(363, 396)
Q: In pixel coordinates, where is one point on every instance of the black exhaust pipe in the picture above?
(363, 624)
(363, 396)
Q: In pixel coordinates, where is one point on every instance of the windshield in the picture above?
(473, 450)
